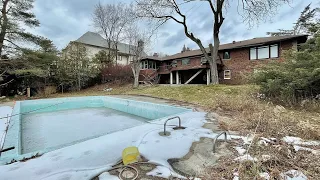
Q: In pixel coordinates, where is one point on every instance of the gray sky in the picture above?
(66, 20)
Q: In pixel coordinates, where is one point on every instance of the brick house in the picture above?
(236, 59)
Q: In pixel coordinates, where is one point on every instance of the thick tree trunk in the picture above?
(136, 72)
(4, 25)
(214, 54)
(136, 81)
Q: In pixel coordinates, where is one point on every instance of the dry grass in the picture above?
(244, 109)
(272, 159)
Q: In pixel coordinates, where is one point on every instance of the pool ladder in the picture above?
(175, 128)
(216, 138)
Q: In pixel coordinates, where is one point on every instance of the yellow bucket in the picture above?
(130, 155)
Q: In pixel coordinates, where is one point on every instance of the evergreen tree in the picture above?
(14, 13)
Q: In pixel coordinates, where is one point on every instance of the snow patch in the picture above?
(265, 175)
(298, 148)
(164, 172)
(246, 157)
(107, 176)
(293, 175)
(240, 150)
(299, 141)
(246, 140)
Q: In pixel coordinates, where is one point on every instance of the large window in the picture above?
(148, 65)
(264, 52)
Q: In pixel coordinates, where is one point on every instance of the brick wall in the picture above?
(241, 66)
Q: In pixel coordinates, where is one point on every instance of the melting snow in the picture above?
(246, 157)
(107, 176)
(297, 175)
(240, 150)
(265, 175)
(299, 141)
(164, 172)
(88, 159)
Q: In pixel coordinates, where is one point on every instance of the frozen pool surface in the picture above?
(53, 129)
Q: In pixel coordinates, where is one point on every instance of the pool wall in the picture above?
(13, 138)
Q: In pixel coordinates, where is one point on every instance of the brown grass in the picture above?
(282, 158)
(244, 109)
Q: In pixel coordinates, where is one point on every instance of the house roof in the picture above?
(235, 45)
(95, 39)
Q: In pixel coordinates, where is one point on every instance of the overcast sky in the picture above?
(66, 20)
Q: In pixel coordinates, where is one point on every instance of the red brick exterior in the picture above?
(241, 65)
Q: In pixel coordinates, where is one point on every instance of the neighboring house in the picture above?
(94, 43)
(236, 60)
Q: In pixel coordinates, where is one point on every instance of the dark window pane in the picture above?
(226, 55)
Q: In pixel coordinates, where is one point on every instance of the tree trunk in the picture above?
(136, 81)
(4, 25)
(214, 54)
(79, 82)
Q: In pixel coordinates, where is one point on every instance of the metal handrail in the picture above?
(164, 128)
(216, 138)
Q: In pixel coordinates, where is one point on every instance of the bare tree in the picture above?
(139, 41)
(111, 20)
(164, 10)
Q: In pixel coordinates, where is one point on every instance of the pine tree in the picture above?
(14, 13)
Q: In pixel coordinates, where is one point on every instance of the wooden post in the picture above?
(28, 92)
(177, 77)
(208, 76)
(171, 78)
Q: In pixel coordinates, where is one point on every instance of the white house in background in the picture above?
(94, 43)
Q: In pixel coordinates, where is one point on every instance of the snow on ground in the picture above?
(164, 172)
(53, 129)
(240, 150)
(4, 111)
(90, 158)
(107, 176)
(246, 157)
(294, 175)
(299, 141)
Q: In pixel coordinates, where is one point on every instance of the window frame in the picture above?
(256, 48)
(224, 74)
(223, 57)
(185, 59)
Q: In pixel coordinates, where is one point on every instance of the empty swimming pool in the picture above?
(54, 129)
(39, 126)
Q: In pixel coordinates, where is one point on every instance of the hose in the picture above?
(135, 169)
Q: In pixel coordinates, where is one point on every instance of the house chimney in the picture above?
(233, 42)
(184, 49)
(155, 55)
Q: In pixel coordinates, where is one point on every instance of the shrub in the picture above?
(119, 74)
(295, 79)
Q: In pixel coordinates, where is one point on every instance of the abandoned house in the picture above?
(236, 59)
